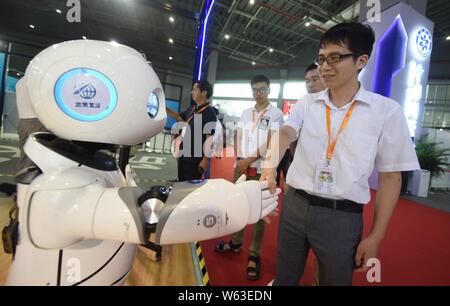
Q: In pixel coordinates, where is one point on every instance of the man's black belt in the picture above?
(344, 205)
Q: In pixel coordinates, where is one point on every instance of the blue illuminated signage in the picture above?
(202, 37)
(424, 42)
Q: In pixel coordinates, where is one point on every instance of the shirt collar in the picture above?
(361, 96)
(267, 108)
(196, 106)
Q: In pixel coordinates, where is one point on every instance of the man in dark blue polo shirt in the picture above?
(200, 122)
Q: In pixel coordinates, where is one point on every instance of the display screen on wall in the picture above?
(11, 84)
(2, 63)
(175, 106)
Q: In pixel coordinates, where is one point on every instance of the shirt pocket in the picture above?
(359, 152)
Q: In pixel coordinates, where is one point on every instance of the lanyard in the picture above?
(259, 118)
(193, 112)
(332, 145)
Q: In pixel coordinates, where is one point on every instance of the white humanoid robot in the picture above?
(80, 218)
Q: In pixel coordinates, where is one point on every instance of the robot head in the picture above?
(96, 91)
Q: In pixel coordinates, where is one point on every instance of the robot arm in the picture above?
(61, 217)
(208, 210)
(83, 207)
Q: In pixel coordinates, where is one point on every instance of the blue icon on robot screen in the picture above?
(153, 105)
(85, 94)
(87, 91)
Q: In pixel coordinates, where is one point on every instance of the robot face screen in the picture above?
(153, 105)
(85, 94)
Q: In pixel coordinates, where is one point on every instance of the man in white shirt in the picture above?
(253, 133)
(344, 132)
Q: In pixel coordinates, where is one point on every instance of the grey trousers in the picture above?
(333, 235)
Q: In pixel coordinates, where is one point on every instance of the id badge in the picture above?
(325, 179)
(264, 123)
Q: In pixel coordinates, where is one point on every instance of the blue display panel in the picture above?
(11, 84)
(85, 94)
(2, 66)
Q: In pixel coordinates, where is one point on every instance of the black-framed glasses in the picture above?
(261, 91)
(333, 59)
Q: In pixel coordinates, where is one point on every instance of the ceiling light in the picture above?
(308, 24)
(270, 50)
(32, 26)
(170, 57)
(448, 37)
(58, 11)
(84, 37)
(171, 19)
(252, 2)
(227, 36)
(18, 74)
(171, 40)
(253, 63)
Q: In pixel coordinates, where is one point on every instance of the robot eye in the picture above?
(153, 105)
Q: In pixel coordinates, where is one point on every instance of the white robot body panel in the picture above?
(47, 160)
(59, 217)
(96, 262)
(90, 262)
(58, 226)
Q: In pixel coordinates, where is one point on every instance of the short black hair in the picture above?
(260, 78)
(310, 68)
(358, 37)
(204, 85)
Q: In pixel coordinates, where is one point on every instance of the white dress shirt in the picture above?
(255, 128)
(376, 135)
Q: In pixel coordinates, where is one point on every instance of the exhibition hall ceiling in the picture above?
(261, 33)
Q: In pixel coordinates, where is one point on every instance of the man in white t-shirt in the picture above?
(253, 133)
(343, 132)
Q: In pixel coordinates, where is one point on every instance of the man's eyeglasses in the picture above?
(261, 91)
(333, 59)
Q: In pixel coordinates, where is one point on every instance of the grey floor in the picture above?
(439, 199)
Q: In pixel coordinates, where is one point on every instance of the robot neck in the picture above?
(83, 153)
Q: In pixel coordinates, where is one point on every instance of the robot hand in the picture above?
(211, 209)
(268, 200)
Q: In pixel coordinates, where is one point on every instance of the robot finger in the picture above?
(241, 179)
(268, 203)
(268, 210)
(264, 184)
(266, 194)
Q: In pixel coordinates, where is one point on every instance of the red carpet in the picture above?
(416, 250)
